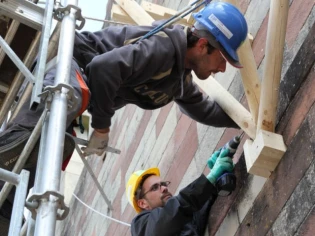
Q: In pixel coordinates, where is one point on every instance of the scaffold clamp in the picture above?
(33, 200)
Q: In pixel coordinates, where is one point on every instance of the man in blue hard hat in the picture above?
(149, 73)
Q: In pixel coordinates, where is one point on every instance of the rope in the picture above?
(110, 218)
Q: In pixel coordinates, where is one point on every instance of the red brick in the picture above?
(243, 4)
(162, 117)
(259, 42)
(308, 226)
(128, 113)
(126, 156)
(183, 157)
(298, 108)
(94, 232)
(174, 143)
(298, 13)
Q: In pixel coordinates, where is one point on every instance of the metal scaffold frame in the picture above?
(46, 202)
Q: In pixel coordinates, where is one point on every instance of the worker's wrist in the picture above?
(211, 178)
(105, 130)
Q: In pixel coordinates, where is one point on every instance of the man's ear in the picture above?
(202, 44)
(143, 204)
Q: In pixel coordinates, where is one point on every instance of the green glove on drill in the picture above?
(223, 164)
(211, 161)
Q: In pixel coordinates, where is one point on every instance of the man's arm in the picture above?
(123, 67)
(178, 211)
(202, 108)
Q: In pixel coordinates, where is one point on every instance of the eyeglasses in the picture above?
(156, 187)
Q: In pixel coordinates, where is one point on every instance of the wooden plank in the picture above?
(264, 153)
(249, 74)
(118, 14)
(156, 11)
(278, 16)
(229, 104)
(159, 12)
(136, 12)
(9, 37)
(251, 168)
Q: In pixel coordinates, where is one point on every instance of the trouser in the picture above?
(29, 118)
(13, 140)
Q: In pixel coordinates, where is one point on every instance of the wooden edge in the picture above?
(229, 104)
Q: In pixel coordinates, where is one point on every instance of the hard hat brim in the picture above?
(153, 171)
(230, 60)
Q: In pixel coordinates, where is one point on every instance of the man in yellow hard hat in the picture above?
(161, 213)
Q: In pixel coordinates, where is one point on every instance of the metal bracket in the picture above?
(32, 203)
(47, 95)
(60, 12)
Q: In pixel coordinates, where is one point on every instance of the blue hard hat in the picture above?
(226, 24)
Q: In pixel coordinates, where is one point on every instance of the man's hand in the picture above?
(211, 161)
(97, 143)
(223, 164)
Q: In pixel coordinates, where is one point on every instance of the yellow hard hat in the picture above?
(133, 184)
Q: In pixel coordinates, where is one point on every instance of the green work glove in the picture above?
(222, 165)
(211, 161)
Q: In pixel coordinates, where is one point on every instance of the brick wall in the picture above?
(280, 205)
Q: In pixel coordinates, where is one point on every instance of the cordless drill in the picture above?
(226, 183)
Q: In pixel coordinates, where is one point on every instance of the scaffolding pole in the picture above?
(21, 182)
(47, 182)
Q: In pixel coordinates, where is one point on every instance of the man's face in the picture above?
(155, 194)
(204, 64)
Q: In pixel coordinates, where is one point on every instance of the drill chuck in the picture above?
(232, 146)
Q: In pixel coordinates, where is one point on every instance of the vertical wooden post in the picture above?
(249, 74)
(278, 16)
(263, 155)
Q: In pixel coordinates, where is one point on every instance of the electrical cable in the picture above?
(108, 217)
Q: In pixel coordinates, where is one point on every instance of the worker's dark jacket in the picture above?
(184, 214)
(149, 73)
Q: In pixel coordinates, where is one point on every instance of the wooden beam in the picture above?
(229, 104)
(249, 74)
(9, 37)
(251, 167)
(157, 11)
(118, 14)
(4, 88)
(263, 155)
(277, 24)
(181, 21)
(136, 12)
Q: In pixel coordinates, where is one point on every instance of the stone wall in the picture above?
(280, 205)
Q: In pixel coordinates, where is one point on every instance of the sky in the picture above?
(91, 8)
(95, 9)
